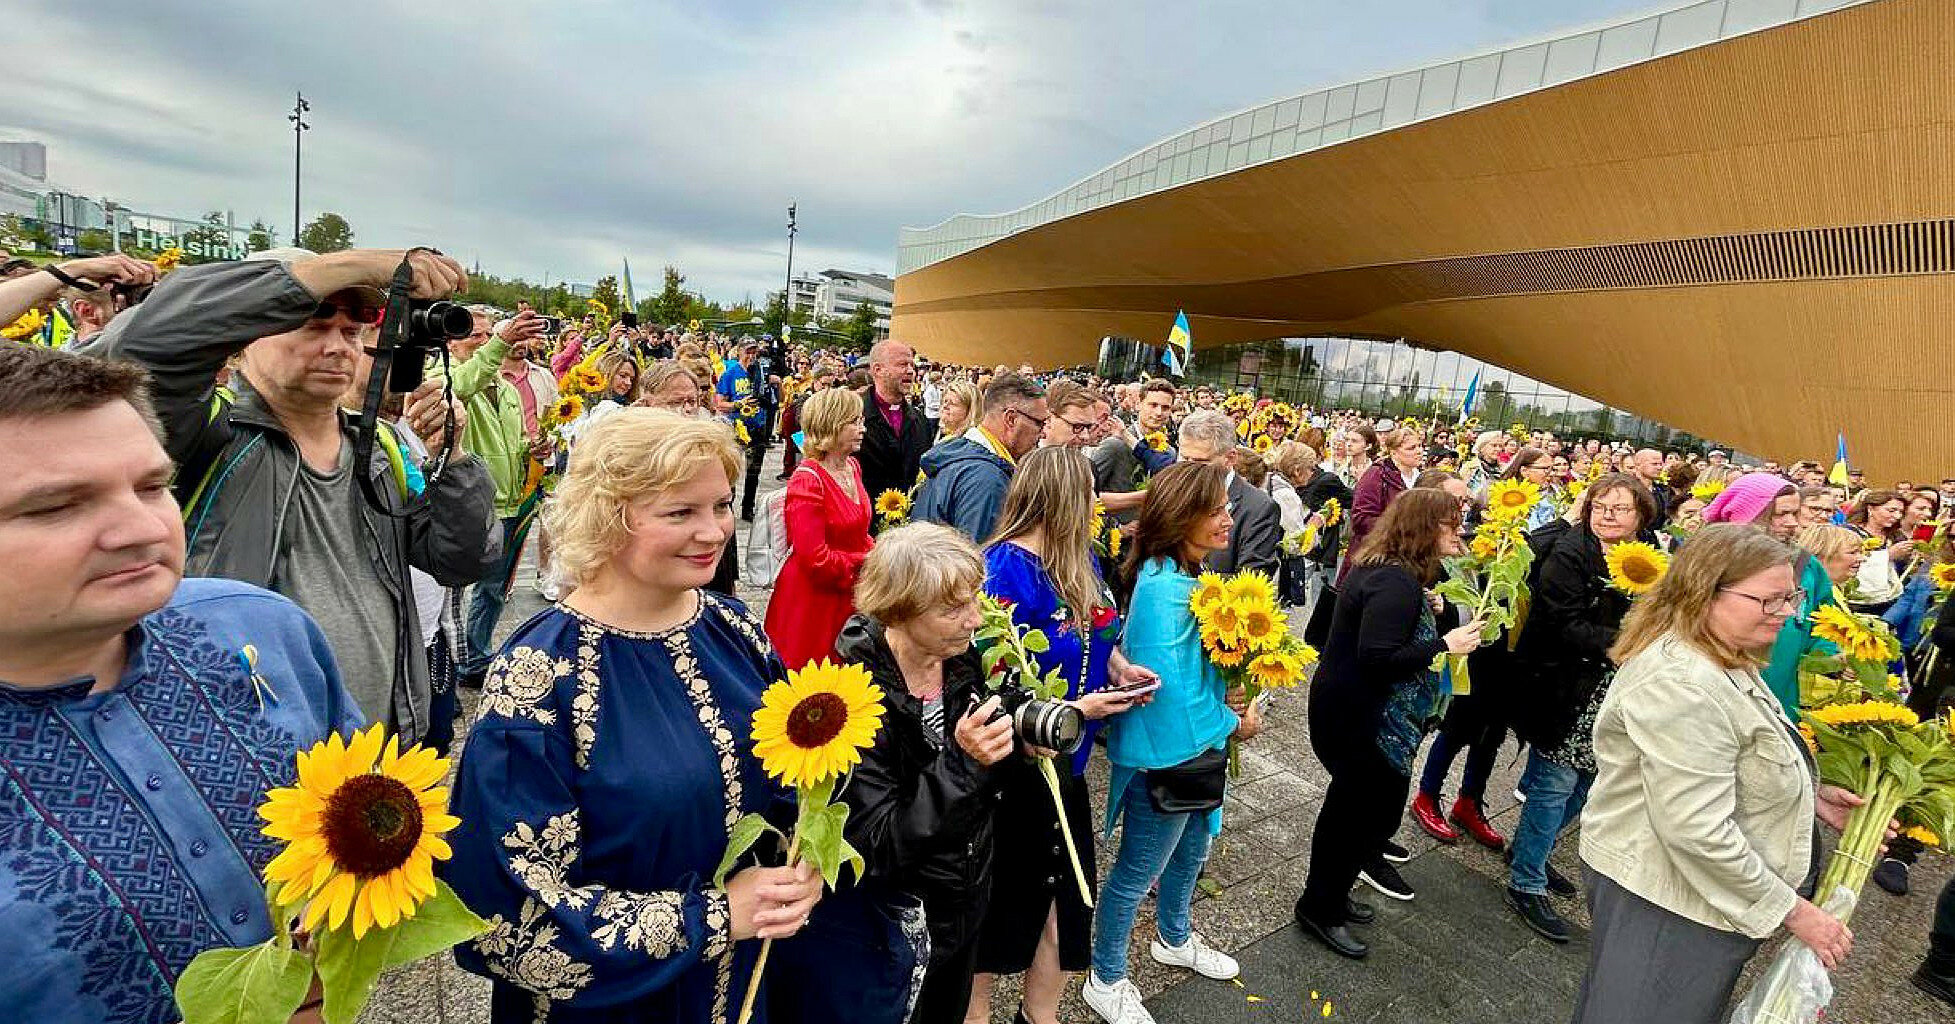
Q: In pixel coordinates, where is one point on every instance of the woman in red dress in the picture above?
(827, 514)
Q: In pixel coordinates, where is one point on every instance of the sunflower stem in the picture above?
(766, 945)
(1065, 829)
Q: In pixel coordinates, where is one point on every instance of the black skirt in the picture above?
(1030, 872)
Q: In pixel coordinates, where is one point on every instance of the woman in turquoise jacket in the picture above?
(1184, 517)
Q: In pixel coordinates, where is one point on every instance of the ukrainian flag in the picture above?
(1839, 473)
(1175, 355)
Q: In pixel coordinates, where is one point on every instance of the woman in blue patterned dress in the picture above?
(611, 758)
(1040, 561)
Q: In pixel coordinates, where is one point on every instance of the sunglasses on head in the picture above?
(358, 312)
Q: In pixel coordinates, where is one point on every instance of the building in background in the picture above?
(71, 222)
(1683, 214)
(835, 294)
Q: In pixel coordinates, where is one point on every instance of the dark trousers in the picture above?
(1941, 935)
(487, 597)
(946, 991)
(756, 454)
(1361, 810)
(1464, 729)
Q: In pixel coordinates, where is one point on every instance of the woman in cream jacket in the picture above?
(1698, 834)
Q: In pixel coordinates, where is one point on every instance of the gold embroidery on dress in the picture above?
(521, 683)
(686, 666)
(583, 706)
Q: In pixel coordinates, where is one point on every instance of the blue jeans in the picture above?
(486, 598)
(1168, 847)
(1555, 795)
(1481, 752)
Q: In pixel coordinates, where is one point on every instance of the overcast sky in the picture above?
(557, 138)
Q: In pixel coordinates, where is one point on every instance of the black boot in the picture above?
(1538, 915)
(1560, 884)
(1358, 912)
(1935, 983)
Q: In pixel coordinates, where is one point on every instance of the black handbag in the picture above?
(1192, 787)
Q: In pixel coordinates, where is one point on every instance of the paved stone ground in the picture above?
(1454, 954)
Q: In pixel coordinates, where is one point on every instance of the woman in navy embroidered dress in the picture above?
(611, 758)
(1040, 560)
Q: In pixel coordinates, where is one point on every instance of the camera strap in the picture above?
(393, 326)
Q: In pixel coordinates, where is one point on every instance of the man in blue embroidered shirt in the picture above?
(143, 716)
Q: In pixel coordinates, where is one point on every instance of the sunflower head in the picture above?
(1263, 627)
(1261, 444)
(1943, 576)
(1485, 546)
(1224, 651)
(363, 829)
(892, 503)
(1510, 499)
(1634, 567)
(1922, 834)
(1864, 714)
(1250, 587)
(29, 322)
(1211, 591)
(586, 378)
(1157, 441)
(1113, 541)
(1332, 512)
(1276, 670)
(567, 408)
(815, 725)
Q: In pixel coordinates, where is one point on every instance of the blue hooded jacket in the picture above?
(964, 487)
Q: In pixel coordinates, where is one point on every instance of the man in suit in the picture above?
(1209, 436)
(894, 432)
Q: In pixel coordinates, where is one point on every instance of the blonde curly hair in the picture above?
(628, 456)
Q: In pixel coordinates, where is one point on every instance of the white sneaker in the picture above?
(1118, 1003)
(1197, 955)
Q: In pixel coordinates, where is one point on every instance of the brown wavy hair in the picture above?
(1407, 535)
(1177, 498)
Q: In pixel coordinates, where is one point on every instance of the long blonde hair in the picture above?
(1716, 557)
(1052, 492)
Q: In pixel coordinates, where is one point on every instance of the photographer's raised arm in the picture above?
(197, 318)
(23, 293)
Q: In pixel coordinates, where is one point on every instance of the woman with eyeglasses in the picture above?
(1698, 836)
(1563, 654)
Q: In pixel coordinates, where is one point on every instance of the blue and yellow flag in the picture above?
(1839, 474)
(1175, 354)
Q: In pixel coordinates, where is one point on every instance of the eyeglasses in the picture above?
(1615, 511)
(359, 314)
(1038, 421)
(1779, 604)
(1079, 429)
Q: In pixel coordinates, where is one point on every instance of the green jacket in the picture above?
(495, 420)
(1795, 638)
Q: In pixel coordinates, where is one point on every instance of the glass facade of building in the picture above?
(1395, 379)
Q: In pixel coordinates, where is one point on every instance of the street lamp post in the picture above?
(787, 295)
(299, 128)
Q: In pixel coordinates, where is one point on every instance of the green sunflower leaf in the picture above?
(262, 984)
(349, 967)
(746, 832)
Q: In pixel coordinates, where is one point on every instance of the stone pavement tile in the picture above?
(1277, 789)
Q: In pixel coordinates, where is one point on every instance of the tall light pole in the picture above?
(299, 128)
(787, 296)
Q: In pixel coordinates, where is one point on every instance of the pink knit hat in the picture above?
(1745, 498)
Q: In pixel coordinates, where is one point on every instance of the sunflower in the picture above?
(1263, 628)
(1812, 741)
(1634, 567)
(1922, 834)
(1704, 492)
(1113, 539)
(1943, 576)
(893, 504)
(567, 409)
(1225, 621)
(1157, 441)
(363, 829)
(167, 260)
(1510, 499)
(1223, 651)
(29, 322)
(1872, 544)
(815, 725)
(1332, 512)
(1866, 712)
(1251, 588)
(1485, 546)
(740, 433)
(1276, 670)
(1852, 634)
(585, 378)
(1211, 591)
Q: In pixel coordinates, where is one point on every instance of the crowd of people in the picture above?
(211, 579)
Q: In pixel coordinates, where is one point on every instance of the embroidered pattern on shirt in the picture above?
(583, 706)
(520, 684)
(686, 666)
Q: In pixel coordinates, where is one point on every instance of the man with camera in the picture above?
(506, 396)
(268, 481)
(112, 278)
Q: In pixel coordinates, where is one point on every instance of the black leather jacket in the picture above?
(919, 808)
(1564, 648)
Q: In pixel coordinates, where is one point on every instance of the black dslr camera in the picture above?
(430, 327)
(1040, 722)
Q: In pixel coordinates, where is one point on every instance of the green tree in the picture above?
(262, 237)
(212, 232)
(328, 232)
(95, 240)
(606, 292)
(669, 306)
(861, 327)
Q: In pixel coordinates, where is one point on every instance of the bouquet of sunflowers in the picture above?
(362, 827)
(1864, 644)
(1902, 767)
(1248, 638)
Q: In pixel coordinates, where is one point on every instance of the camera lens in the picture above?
(1051, 724)
(443, 320)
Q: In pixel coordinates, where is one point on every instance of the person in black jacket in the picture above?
(894, 432)
(921, 801)
(1563, 660)
(1369, 704)
(1936, 975)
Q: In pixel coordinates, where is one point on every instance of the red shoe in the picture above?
(1466, 814)
(1425, 811)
